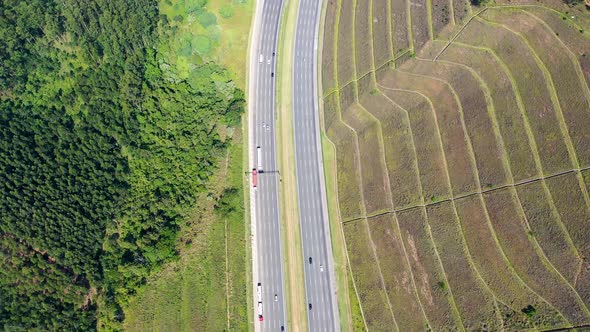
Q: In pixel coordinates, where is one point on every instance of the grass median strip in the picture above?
(294, 278)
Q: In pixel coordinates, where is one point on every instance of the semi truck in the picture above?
(259, 158)
(260, 317)
(259, 291)
(254, 178)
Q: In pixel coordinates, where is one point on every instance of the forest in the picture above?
(102, 154)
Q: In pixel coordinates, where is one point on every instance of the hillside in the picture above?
(107, 148)
(461, 136)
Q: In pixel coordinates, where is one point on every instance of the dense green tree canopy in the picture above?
(101, 156)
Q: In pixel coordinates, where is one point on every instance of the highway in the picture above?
(268, 260)
(313, 218)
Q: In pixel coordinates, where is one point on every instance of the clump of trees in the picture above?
(101, 157)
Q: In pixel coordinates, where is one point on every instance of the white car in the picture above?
(261, 58)
(276, 298)
(268, 61)
(321, 268)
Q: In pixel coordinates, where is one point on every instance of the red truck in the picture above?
(254, 177)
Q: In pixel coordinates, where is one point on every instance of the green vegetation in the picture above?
(104, 150)
(468, 155)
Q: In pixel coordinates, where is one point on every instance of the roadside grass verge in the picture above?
(192, 293)
(348, 308)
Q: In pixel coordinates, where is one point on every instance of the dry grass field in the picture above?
(462, 146)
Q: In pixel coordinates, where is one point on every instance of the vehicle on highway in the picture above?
(259, 158)
(309, 260)
(268, 61)
(321, 268)
(310, 306)
(282, 328)
(276, 298)
(259, 292)
(261, 59)
(260, 317)
(272, 74)
(254, 178)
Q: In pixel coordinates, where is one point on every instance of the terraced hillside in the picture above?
(462, 149)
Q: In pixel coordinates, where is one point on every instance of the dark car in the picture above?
(309, 260)
(310, 306)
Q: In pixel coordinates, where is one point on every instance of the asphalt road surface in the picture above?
(268, 236)
(319, 273)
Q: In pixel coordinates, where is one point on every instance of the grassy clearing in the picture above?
(234, 18)
(400, 19)
(446, 112)
(203, 32)
(362, 37)
(191, 293)
(476, 304)
(486, 143)
(398, 148)
(433, 176)
(367, 277)
(513, 235)
(532, 88)
(431, 281)
(328, 60)
(544, 223)
(491, 262)
(569, 91)
(397, 276)
(381, 34)
(345, 43)
(375, 190)
(420, 26)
